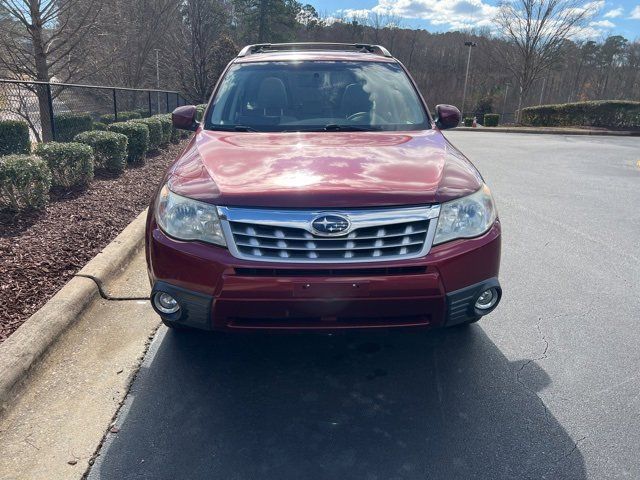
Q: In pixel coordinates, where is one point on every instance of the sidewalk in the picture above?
(56, 425)
(552, 131)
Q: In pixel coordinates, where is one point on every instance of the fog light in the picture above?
(487, 299)
(165, 303)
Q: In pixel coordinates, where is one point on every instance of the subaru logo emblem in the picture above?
(330, 225)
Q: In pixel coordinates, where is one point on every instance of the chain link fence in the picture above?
(40, 103)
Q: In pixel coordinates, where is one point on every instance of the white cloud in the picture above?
(602, 24)
(354, 13)
(467, 14)
(615, 13)
(459, 14)
(635, 13)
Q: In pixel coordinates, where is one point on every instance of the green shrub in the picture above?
(100, 126)
(200, 111)
(126, 116)
(176, 134)
(138, 140)
(491, 119)
(155, 131)
(71, 164)
(614, 114)
(468, 121)
(25, 181)
(167, 125)
(14, 137)
(109, 149)
(143, 112)
(69, 124)
(108, 118)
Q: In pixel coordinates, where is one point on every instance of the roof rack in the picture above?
(273, 47)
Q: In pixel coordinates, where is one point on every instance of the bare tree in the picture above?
(200, 47)
(38, 40)
(536, 31)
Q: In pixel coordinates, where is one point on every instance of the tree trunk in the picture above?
(262, 26)
(42, 71)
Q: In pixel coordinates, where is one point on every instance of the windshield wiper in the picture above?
(334, 127)
(236, 128)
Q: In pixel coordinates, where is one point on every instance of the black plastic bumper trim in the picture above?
(461, 303)
(195, 308)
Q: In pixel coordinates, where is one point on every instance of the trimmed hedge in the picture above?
(167, 126)
(155, 132)
(14, 137)
(200, 111)
(69, 124)
(126, 116)
(491, 119)
(107, 118)
(176, 134)
(25, 181)
(615, 114)
(109, 149)
(103, 127)
(138, 140)
(143, 112)
(468, 122)
(122, 117)
(71, 164)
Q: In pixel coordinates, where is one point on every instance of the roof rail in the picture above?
(272, 47)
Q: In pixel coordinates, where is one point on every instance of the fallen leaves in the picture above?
(41, 251)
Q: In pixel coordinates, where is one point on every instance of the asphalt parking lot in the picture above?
(547, 386)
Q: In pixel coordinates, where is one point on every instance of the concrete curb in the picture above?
(552, 131)
(23, 350)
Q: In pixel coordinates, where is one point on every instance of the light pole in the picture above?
(504, 102)
(158, 79)
(466, 77)
(544, 82)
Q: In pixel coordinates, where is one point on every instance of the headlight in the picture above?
(466, 217)
(188, 219)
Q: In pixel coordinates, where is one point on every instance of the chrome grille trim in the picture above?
(286, 235)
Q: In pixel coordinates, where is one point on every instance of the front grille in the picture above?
(288, 236)
(297, 244)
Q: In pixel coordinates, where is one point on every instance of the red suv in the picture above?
(319, 193)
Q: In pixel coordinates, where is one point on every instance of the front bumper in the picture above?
(217, 291)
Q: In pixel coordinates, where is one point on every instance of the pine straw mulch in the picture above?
(40, 252)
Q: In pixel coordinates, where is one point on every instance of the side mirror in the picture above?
(184, 118)
(447, 116)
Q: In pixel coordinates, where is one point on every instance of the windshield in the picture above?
(316, 96)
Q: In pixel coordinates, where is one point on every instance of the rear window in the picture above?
(316, 96)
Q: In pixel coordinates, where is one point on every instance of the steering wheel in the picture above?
(357, 116)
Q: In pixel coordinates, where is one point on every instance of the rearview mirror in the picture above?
(447, 116)
(184, 118)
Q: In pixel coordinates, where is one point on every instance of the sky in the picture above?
(615, 17)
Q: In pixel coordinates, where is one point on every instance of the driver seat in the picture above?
(272, 97)
(355, 99)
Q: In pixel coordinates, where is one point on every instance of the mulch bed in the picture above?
(40, 252)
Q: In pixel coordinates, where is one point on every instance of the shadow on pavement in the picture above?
(366, 406)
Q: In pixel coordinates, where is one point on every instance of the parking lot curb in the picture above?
(24, 349)
(552, 131)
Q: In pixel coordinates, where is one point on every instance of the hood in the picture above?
(322, 170)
